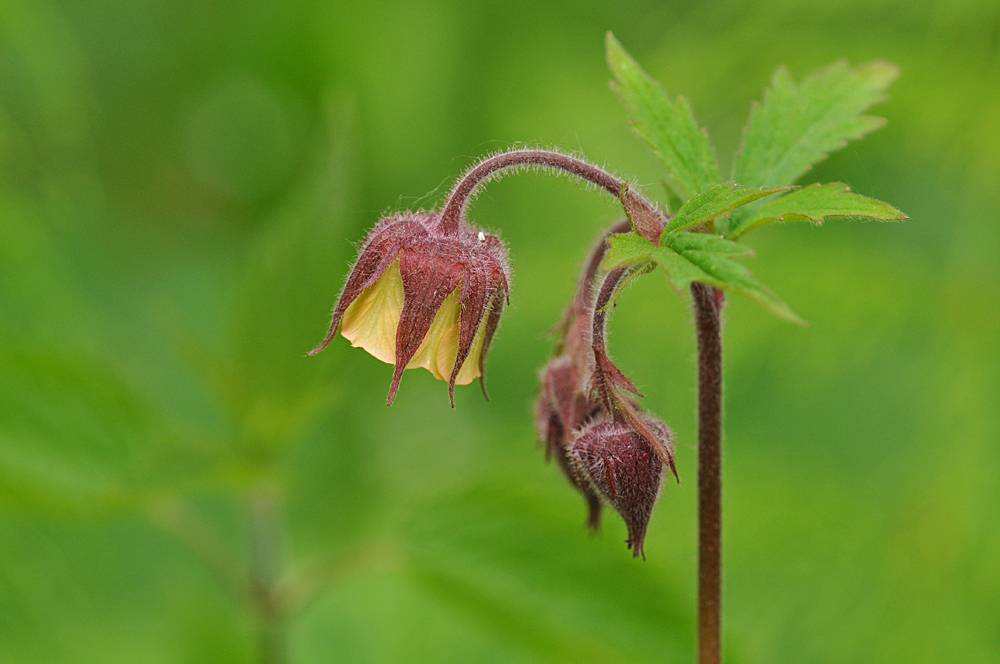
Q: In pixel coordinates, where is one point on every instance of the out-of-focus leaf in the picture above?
(46, 86)
(270, 390)
(73, 435)
(106, 591)
(38, 298)
(688, 257)
(668, 126)
(720, 199)
(543, 586)
(815, 203)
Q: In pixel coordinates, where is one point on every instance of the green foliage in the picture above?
(796, 125)
(668, 126)
(130, 286)
(688, 257)
(815, 203)
(713, 202)
(793, 129)
(74, 435)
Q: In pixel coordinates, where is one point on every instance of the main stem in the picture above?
(708, 303)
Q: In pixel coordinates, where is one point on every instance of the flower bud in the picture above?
(562, 409)
(422, 297)
(623, 467)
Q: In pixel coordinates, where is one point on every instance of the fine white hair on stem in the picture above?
(520, 159)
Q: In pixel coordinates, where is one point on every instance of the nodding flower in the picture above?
(428, 290)
(419, 296)
(428, 287)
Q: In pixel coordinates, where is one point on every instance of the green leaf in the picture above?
(668, 126)
(76, 436)
(271, 392)
(715, 201)
(73, 434)
(625, 249)
(797, 125)
(37, 291)
(711, 255)
(544, 568)
(815, 203)
(688, 257)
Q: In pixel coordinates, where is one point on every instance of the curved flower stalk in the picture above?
(428, 288)
(605, 445)
(646, 217)
(565, 402)
(607, 380)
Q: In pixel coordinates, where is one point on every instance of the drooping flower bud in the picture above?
(581, 385)
(562, 408)
(624, 468)
(422, 297)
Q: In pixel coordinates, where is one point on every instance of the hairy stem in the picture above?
(708, 303)
(585, 293)
(489, 168)
(580, 306)
(608, 380)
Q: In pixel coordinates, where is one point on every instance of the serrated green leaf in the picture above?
(688, 257)
(667, 125)
(815, 203)
(625, 249)
(720, 199)
(797, 125)
(710, 255)
(707, 244)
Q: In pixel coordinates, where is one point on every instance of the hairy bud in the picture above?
(623, 467)
(562, 409)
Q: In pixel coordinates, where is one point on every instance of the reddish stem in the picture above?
(708, 303)
(522, 159)
(609, 381)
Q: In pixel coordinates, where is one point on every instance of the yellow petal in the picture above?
(448, 351)
(371, 320)
(438, 341)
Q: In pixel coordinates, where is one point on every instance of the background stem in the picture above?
(708, 303)
(266, 532)
(176, 517)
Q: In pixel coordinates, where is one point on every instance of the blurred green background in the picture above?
(182, 183)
